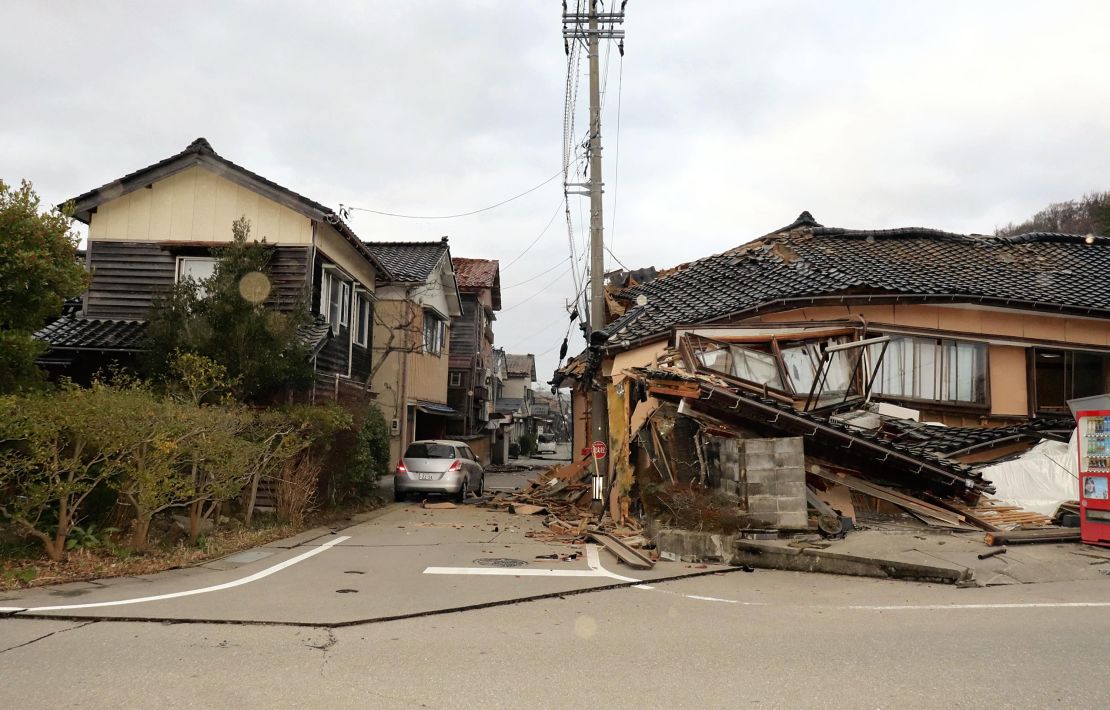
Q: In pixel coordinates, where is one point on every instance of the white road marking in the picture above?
(204, 590)
(593, 562)
(939, 607)
(513, 572)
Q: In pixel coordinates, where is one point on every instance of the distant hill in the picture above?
(1089, 214)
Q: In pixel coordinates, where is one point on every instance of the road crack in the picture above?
(46, 636)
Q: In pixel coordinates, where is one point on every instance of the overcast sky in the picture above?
(734, 117)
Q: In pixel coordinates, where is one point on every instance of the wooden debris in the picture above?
(992, 553)
(907, 502)
(633, 558)
(1001, 516)
(525, 509)
(437, 506)
(1014, 537)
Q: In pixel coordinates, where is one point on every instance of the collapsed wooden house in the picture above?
(891, 364)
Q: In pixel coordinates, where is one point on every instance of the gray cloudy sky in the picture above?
(734, 116)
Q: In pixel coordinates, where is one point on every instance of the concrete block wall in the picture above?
(775, 482)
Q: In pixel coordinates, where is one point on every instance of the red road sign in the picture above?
(585, 451)
(600, 449)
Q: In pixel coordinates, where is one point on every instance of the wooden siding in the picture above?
(126, 277)
(196, 205)
(465, 328)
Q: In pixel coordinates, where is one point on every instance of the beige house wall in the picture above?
(196, 205)
(405, 377)
(339, 251)
(1007, 367)
(515, 387)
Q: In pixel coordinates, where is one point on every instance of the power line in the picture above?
(617, 160)
(533, 243)
(348, 208)
(547, 286)
(545, 271)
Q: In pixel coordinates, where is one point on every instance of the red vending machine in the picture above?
(1093, 434)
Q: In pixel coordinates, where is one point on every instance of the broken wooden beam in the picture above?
(633, 558)
(1015, 537)
(913, 505)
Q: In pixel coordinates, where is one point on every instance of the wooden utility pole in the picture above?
(592, 27)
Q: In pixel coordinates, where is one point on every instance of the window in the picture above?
(345, 305)
(455, 380)
(430, 451)
(335, 300)
(362, 320)
(1060, 375)
(932, 369)
(197, 268)
(434, 331)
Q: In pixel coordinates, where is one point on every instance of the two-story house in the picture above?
(471, 375)
(412, 336)
(517, 398)
(158, 225)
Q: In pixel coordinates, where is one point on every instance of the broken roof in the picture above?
(410, 262)
(200, 152)
(806, 262)
(476, 274)
(521, 365)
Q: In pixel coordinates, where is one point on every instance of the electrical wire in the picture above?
(617, 160)
(538, 236)
(547, 286)
(530, 190)
(533, 278)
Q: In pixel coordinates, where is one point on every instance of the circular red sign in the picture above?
(600, 449)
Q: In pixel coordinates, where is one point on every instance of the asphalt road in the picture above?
(290, 636)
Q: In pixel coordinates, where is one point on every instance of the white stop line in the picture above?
(592, 561)
(188, 593)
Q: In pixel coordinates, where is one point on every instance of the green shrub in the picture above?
(528, 445)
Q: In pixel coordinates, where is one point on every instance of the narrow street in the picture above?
(410, 609)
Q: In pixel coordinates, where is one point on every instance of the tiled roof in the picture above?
(409, 262)
(200, 151)
(946, 440)
(315, 334)
(521, 365)
(72, 333)
(475, 274)
(508, 405)
(1056, 272)
(77, 333)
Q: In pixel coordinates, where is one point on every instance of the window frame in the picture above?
(438, 335)
(944, 357)
(360, 319)
(179, 271)
(345, 304)
(454, 379)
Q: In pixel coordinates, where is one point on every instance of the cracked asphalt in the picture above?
(357, 623)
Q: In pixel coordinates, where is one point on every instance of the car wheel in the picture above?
(398, 496)
(481, 486)
(463, 490)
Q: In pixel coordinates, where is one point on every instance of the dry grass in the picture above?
(694, 508)
(30, 569)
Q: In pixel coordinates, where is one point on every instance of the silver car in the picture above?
(438, 466)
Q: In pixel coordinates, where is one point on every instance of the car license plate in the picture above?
(425, 477)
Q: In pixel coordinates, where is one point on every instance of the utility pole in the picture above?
(593, 26)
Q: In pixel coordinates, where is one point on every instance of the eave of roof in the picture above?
(200, 152)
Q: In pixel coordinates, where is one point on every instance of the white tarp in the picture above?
(1040, 479)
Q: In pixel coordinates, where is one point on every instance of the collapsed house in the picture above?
(819, 372)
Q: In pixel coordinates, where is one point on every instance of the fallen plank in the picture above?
(914, 505)
(633, 558)
(1015, 537)
(437, 506)
(526, 509)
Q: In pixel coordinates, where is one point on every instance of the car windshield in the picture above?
(430, 451)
